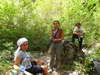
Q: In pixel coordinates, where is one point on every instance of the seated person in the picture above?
(78, 33)
(22, 58)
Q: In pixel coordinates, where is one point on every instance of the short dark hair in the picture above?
(56, 21)
(78, 23)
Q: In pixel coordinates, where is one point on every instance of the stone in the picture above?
(71, 51)
(97, 65)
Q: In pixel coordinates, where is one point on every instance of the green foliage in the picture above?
(5, 62)
(33, 19)
(87, 67)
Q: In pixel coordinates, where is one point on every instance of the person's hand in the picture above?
(38, 61)
(79, 34)
(41, 62)
(56, 40)
(50, 38)
(16, 67)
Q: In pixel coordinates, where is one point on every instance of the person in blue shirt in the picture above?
(22, 58)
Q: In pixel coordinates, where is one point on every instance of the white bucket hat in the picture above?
(19, 43)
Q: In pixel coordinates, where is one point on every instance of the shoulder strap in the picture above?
(56, 33)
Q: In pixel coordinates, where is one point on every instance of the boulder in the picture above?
(71, 52)
(97, 66)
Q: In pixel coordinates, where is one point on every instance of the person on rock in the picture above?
(78, 33)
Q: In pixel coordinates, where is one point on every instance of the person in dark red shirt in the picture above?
(56, 47)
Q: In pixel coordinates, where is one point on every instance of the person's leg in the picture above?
(52, 62)
(80, 43)
(74, 37)
(45, 70)
(58, 55)
(35, 69)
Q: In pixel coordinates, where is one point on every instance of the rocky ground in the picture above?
(70, 50)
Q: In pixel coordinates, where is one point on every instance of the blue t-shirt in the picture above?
(25, 59)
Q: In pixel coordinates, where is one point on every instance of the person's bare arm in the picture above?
(77, 33)
(18, 61)
(38, 61)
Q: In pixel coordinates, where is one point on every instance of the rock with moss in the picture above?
(71, 52)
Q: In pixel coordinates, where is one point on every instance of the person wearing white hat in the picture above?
(23, 60)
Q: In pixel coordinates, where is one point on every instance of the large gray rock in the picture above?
(97, 65)
(71, 51)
